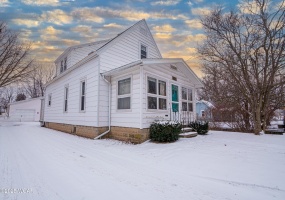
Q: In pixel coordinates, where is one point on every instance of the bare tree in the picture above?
(39, 76)
(7, 95)
(246, 50)
(15, 62)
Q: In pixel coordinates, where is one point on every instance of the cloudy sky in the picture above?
(54, 25)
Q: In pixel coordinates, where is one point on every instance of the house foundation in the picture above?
(126, 134)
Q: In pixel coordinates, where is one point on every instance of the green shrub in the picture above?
(165, 131)
(200, 127)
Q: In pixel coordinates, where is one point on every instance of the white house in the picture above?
(28, 110)
(118, 87)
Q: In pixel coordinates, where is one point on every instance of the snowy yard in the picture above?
(50, 165)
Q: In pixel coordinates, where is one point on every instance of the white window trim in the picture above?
(80, 94)
(66, 86)
(49, 100)
(125, 95)
(140, 48)
(156, 95)
(187, 100)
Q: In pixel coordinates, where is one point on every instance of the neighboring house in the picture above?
(118, 86)
(28, 110)
(204, 109)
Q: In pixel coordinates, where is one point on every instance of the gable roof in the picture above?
(69, 49)
(207, 103)
(120, 35)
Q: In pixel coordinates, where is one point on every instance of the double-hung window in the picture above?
(65, 98)
(82, 95)
(156, 94)
(187, 99)
(143, 51)
(124, 94)
(49, 100)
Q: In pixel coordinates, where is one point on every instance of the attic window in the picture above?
(173, 67)
(65, 64)
(143, 51)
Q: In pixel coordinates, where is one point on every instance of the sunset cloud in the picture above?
(165, 2)
(42, 2)
(164, 28)
(57, 16)
(4, 3)
(27, 22)
(163, 35)
(194, 23)
(112, 25)
(201, 11)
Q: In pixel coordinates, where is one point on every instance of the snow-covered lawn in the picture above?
(52, 165)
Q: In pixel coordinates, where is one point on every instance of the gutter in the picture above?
(109, 120)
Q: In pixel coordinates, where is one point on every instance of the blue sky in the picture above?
(54, 25)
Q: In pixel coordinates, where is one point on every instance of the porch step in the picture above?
(188, 134)
(186, 129)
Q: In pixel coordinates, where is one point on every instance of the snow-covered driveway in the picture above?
(43, 164)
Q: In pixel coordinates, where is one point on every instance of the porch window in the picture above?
(156, 94)
(187, 99)
(143, 52)
(82, 95)
(65, 98)
(124, 94)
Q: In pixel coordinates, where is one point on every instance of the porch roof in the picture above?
(152, 61)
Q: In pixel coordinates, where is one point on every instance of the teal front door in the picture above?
(175, 98)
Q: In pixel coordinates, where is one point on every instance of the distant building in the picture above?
(204, 109)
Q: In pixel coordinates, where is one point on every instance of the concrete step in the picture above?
(186, 129)
(188, 134)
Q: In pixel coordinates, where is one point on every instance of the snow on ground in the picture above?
(222, 165)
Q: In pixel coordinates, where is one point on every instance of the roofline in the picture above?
(80, 63)
(69, 49)
(26, 100)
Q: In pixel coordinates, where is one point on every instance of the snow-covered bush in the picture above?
(165, 131)
(201, 127)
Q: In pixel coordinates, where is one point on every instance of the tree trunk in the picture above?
(257, 121)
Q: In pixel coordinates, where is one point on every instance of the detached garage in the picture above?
(26, 110)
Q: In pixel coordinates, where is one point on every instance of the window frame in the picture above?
(187, 101)
(65, 98)
(146, 51)
(124, 95)
(80, 95)
(49, 100)
(157, 95)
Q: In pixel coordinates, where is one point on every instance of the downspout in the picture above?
(109, 116)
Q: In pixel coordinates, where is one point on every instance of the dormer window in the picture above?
(143, 51)
(65, 64)
(61, 66)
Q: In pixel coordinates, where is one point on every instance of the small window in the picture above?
(124, 94)
(49, 100)
(65, 64)
(143, 52)
(61, 66)
(156, 97)
(65, 99)
(82, 95)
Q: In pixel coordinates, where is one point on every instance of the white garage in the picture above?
(26, 110)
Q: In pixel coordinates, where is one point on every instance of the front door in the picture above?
(175, 98)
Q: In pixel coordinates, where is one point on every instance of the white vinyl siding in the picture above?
(55, 113)
(128, 49)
